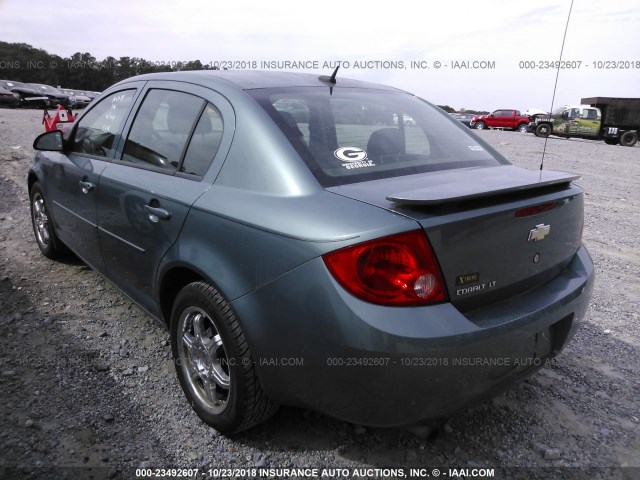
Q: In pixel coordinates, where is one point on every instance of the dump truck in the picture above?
(614, 120)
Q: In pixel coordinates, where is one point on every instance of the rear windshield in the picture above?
(352, 135)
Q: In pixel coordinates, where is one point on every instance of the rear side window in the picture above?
(162, 128)
(97, 131)
(204, 142)
(350, 135)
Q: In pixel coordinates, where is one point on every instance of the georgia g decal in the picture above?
(350, 154)
(353, 157)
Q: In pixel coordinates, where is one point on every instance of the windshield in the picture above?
(48, 89)
(352, 135)
(559, 110)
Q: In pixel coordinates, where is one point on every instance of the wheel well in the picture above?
(174, 281)
(31, 179)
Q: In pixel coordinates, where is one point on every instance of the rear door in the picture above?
(504, 118)
(73, 180)
(146, 193)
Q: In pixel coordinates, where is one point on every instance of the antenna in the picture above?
(331, 79)
(555, 86)
(335, 72)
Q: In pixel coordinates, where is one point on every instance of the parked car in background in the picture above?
(298, 111)
(406, 119)
(86, 93)
(9, 98)
(381, 274)
(504, 119)
(464, 118)
(78, 99)
(55, 96)
(29, 96)
(362, 112)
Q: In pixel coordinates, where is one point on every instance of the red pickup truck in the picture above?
(511, 119)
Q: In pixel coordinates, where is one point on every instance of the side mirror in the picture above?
(49, 141)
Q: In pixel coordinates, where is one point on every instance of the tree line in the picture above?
(81, 71)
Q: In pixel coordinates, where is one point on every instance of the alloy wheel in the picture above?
(204, 359)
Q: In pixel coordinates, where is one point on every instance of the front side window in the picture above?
(350, 135)
(161, 129)
(98, 130)
(590, 114)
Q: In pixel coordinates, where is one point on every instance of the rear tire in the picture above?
(611, 141)
(46, 238)
(213, 362)
(628, 139)
(543, 130)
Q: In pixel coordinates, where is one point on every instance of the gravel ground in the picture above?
(86, 379)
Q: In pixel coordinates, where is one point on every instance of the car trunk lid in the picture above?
(496, 231)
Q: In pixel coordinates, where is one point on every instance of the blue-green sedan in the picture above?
(306, 248)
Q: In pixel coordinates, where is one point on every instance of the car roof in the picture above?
(254, 79)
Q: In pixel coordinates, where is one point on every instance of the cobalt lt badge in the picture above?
(538, 233)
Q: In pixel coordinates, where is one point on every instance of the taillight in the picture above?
(398, 270)
(536, 209)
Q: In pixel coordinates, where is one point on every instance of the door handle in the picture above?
(156, 213)
(87, 186)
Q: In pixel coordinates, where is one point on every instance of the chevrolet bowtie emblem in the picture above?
(539, 232)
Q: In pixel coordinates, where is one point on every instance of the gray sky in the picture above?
(497, 35)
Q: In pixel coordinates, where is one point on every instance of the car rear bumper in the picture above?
(317, 347)
(9, 102)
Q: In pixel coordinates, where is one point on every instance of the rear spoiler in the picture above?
(478, 183)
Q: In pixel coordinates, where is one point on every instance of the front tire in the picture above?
(524, 128)
(628, 139)
(543, 130)
(213, 361)
(480, 125)
(611, 141)
(46, 238)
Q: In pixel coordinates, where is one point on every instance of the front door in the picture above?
(74, 180)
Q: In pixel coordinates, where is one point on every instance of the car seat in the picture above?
(385, 144)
